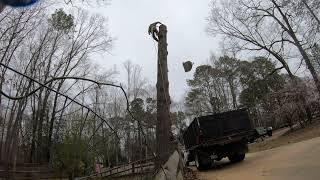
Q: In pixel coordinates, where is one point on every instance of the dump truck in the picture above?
(213, 137)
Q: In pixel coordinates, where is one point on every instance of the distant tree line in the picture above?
(271, 98)
(284, 30)
(280, 34)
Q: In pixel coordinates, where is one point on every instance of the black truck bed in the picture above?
(218, 129)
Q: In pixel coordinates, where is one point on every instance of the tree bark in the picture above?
(233, 93)
(163, 130)
(312, 12)
(297, 43)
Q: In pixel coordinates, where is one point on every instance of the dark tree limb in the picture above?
(71, 99)
(275, 70)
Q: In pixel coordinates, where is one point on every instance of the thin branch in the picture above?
(301, 60)
(85, 79)
(311, 11)
(275, 70)
(71, 99)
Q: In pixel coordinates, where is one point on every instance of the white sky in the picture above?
(128, 22)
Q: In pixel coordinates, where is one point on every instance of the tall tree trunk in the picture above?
(297, 43)
(13, 133)
(233, 93)
(163, 130)
(52, 119)
(311, 11)
(33, 136)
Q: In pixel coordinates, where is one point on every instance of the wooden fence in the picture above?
(144, 166)
(27, 171)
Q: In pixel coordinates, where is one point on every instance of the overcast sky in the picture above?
(187, 40)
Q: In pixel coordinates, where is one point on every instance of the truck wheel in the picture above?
(202, 162)
(237, 157)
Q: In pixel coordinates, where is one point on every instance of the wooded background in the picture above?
(45, 127)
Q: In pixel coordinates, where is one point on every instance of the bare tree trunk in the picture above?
(163, 130)
(52, 119)
(297, 43)
(233, 93)
(13, 133)
(311, 11)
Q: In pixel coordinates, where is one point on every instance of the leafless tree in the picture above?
(270, 26)
(37, 45)
(135, 81)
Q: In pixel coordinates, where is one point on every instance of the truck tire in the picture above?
(237, 157)
(202, 162)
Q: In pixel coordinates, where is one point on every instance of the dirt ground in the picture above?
(285, 136)
(285, 156)
(296, 161)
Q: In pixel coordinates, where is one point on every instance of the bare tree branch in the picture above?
(89, 109)
(71, 99)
